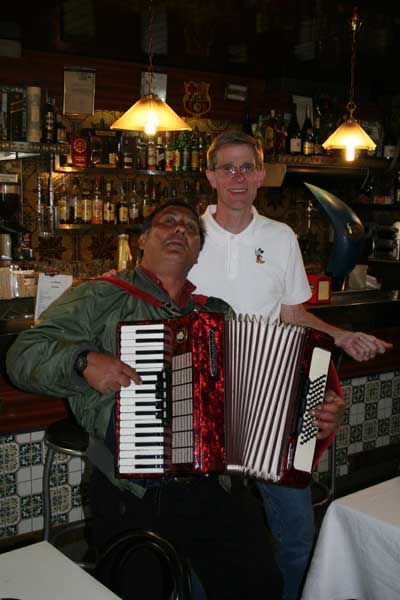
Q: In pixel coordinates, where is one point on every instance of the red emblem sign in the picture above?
(197, 101)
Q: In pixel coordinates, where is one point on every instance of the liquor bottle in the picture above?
(186, 152)
(280, 135)
(147, 204)
(75, 205)
(293, 138)
(169, 151)
(195, 152)
(124, 256)
(202, 154)
(396, 194)
(62, 204)
(160, 154)
(97, 204)
(318, 149)
(178, 152)
(109, 206)
(87, 203)
(270, 133)
(126, 149)
(141, 153)
(134, 205)
(48, 120)
(151, 154)
(61, 130)
(123, 208)
(307, 135)
(258, 130)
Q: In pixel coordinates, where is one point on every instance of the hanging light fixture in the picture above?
(150, 113)
(350, 135)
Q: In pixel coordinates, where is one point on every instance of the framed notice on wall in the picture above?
(79, 89)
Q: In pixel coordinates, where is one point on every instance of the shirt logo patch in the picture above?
(259, 256)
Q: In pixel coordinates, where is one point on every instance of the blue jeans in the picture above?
(290, 517)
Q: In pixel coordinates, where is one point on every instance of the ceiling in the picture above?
(275, 39)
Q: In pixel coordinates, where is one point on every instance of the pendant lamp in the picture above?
(350, 135)
(150, 113)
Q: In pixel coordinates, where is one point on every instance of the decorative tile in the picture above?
(343, 437)
(341, 457)
(9, 457)
(355, 447)
(396, 406)
(342, 470)
(347, 391)
(358, 394)
(30, 454)
(31, 506)
(355, 434)
(383, 440)
(370, 431)
(9, 511)
(383, 427)
(395, 425)
(60, 499)
(8, 485)
(23, 438)
(386, 389)
(396, 387)
(357, 414)
(369, 445)
(346, 416)
(371, 411)
(7, 531)
(372, 391)
(385, 408)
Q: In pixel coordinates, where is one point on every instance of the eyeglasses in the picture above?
(246, 170)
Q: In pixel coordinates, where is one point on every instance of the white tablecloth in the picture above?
(357, 554)
(40, 572)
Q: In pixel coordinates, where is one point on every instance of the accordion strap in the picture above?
(133, 290)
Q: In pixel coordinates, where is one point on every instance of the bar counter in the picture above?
(373, 311)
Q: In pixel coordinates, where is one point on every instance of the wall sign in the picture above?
(197, 101)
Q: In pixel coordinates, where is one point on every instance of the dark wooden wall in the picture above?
(118, 84)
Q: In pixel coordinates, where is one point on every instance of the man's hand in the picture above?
(360, 346)
(105, 373)
(328, 416)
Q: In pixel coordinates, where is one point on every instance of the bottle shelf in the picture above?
(15, 150)
(326, 165)
(83, 228)
(107, 170)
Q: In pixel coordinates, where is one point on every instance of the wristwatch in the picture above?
(80, 362)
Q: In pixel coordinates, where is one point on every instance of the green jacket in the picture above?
(84, 318)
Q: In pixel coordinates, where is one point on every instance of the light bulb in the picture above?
(350, 151)
(151, 122)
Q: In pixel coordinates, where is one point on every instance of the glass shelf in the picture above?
(15, 150)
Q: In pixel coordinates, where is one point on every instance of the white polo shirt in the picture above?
(256, 270)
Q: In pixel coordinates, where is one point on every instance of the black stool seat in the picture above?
(67, 437)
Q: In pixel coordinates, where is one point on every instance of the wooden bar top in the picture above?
(22, 412)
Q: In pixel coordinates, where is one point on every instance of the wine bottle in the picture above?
(307, 135)
(293, 139)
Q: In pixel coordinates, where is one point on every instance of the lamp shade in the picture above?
(349, 136)
(150, 114)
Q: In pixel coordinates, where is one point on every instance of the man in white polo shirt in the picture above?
(255, 264)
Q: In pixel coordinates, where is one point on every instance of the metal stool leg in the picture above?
(46, 493)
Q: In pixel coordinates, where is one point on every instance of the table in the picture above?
(357, 555)
(41, 572)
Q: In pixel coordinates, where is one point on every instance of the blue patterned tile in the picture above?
(386, 389)
(30, 454)
(371, 411)
(358, 394)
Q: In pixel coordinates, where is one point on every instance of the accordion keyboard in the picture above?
(145, 433)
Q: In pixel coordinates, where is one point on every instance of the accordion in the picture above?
(220, 396)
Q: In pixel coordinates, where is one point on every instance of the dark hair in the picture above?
(148, 221)
(231, 136)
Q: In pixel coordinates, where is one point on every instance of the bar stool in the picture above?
(65, 437)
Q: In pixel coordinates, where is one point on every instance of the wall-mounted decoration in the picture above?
(236, 92)
(157, 86)
(79, 89)
(197, 100)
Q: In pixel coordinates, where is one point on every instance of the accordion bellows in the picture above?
(220, 396)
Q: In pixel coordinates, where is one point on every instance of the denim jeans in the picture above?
(291, 519)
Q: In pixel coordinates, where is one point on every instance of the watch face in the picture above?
(81, 363)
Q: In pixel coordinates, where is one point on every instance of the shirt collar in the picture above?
(187, 291)
(219, 233)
